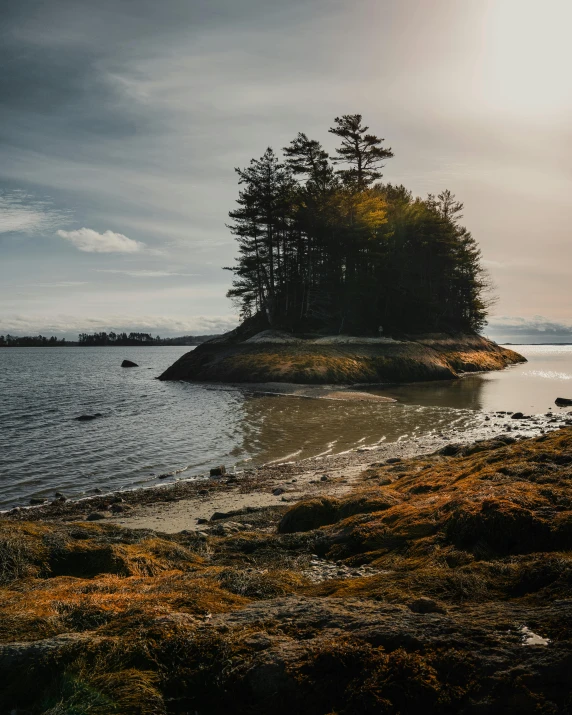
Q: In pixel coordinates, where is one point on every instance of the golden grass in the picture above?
(412, 360)
(489, 527)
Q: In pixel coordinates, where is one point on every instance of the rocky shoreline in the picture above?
(175, 506)
(425, 576)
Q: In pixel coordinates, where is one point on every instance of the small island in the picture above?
(341, 278)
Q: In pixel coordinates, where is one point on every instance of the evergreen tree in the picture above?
(261, 225)
(362, 151)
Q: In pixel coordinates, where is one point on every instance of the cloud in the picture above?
(532, 327)
(21, 212)
(143, 273)
(61, 284)
(90, 241)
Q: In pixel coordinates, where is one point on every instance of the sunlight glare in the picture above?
(526, 57)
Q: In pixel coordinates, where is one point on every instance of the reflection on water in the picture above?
(150, 428)
(286, 428)
(531, 387)
(465, 394)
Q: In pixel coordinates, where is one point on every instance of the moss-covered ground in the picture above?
(434, 573)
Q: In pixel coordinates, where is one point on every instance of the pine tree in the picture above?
(362, 151)
(261, 225)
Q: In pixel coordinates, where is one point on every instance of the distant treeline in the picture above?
(32, 341)
(98, 339)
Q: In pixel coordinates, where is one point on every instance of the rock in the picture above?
(561, 401)
(202, 521)
(163, 476)
(117, 500)
(116, 508)
(59, 495)
(95, 516)
(35, 501)
(225, 529)
(97, 490)
(450, 450)
(278, 491)
(88, 418)
(517, 416)
(218, 471)
(22, 656)
(393, 460)
(226, 514)
(204, 492)
(324, 478)
(425, 605)
(129, 363)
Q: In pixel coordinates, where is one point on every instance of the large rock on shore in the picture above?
(274, 356)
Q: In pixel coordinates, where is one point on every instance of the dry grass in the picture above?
(176, 624)
(438, 358)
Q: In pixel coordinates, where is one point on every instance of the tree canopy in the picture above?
(324, 245)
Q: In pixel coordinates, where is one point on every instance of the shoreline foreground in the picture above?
(434, 581)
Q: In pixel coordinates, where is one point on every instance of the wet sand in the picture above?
(185, 505)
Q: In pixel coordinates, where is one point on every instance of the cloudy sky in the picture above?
(122, 121)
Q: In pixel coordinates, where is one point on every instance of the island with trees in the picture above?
(343, 278)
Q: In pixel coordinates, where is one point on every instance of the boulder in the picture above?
(87, 418)
(129, 363)
(561, 401)
(425, 605)
(95, 516)
(219, 471)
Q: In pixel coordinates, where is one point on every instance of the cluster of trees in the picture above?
(30, 341)
(138, 339)
(324, 245)
(117, 339)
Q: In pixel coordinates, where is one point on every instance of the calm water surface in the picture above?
(150, 428)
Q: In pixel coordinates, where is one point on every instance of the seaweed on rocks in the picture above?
(440, 584)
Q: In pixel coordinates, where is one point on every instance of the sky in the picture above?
(123, 120)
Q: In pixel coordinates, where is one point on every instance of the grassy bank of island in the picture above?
(438, 584)
(274, 356)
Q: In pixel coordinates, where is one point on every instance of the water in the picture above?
(150, 428)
